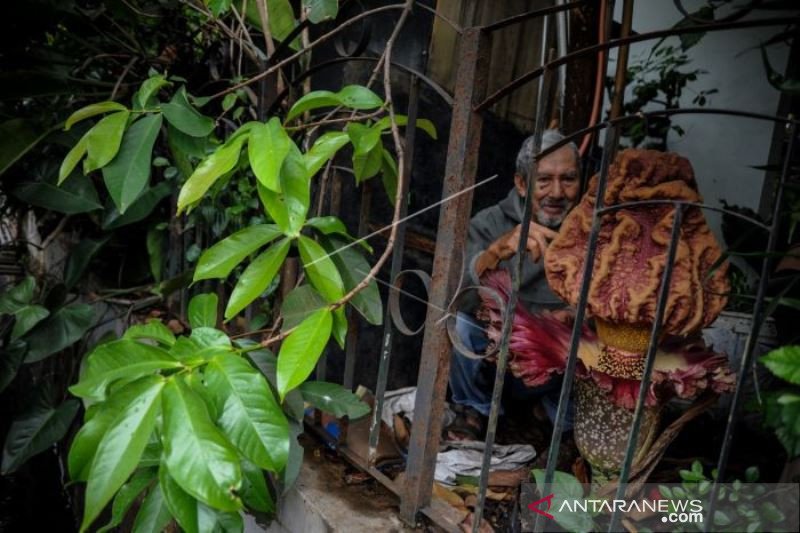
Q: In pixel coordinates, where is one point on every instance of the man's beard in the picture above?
(553, 221)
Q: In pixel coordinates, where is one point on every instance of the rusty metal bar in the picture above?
(758, 319)
(620, 78)
(461, 167)
(397, 266)
(522, 17)
(580, 313)
(351, 341)
(650, 358)
(542, 115)
(533, 74)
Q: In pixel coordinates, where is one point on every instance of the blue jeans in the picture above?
(472, 380)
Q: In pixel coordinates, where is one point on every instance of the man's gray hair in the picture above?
(526, 153)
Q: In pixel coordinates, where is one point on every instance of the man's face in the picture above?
(556, 188)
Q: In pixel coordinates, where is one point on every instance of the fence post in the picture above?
(460, 170)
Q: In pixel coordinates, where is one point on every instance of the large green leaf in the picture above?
(103, 140)
(128, 493)
(58, 331)
(203, 310)
(153, 329)
(268, 147)
(256, 277)
(368, 165)
(120, 360)
(254, 487)
(60, 199)
(298, 304)
(220, 259)
(98, 420)
(181, 114)
(91, 111)
(198, 457)
(353, 268)
(26, 318)
(312, 100)
(784, 362)
(127, 176)
(80, 257)
(320, 269)
(72, 158)
(364, 138)
(141, 208)
(17, 138)
(181, 504)
(352, 96)
(319, 10)
(301, 350)
(209, 171)
(281, 18)
(120, 448)
(248, 413)
(154, 513)
(288, 209)
(324, 149)
(334, 399)
(36, 430)
(147, 93)
(18, 296)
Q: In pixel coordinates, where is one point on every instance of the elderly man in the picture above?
(493, 241)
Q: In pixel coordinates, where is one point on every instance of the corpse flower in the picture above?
(630, 260)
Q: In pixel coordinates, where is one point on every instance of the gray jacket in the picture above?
(489, 224)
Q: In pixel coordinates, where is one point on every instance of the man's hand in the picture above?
(506, 246)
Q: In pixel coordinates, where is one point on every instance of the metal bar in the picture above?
(580, 313)
(542, 115)
(758, 318)
(746, 218)
(461, 167)
(397, 266)
(721, 26)
(650, 358)
(522, 17)
(351, 341)
(561, 40)
(620, 78)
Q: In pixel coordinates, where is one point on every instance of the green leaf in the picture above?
(203, 310)
(784, 362)
(72, 159)
(402, 120)
(58, 331)
(269, 145)
(181, 114)
(325, 147)
(223, 160)
(319, 10)
(320, 269)
(103, 140)
(229, 101)
(35, 431)
(98, 420)
(340, 327)
(248, 413)
(120, 448)
(141, 208)
(146, 95)
(301, 350)
(26, 318)
(330, 224)
(207, 337)
(18, 137)
(59, 199)
(256, 277)
(80, 257)
(368, 165)
(352, 96)
(127, 176)
(153, 329)
(91, 111)
(220, 259)
(364, 138)
(389, 176)
(123, 359)
(219, 7)
(288, 209)
(299, 304)
(10, 360)
(566, 487)
(128, 493)
(333, 399)
(154, 514)
(255, 493)
(197, 455)
(312, 100)
(181, 504)
(156, 242)
(18, 296)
